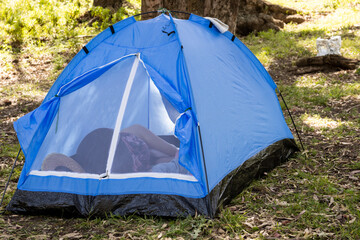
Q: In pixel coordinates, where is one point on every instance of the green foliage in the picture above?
(300, 40)
(38, 21)
(231, 222)
(52, 23)
(106, 18)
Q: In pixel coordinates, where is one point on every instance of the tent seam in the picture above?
(251, 56)
(112, 44)
(192, 104)
(84, 56)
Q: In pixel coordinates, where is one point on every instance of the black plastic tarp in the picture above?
(156, 204)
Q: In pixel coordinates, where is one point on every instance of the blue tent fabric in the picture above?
(30, 131)
(242, 85)
(211, 79)
(47, 111)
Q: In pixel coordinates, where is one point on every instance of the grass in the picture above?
(337, 18)
(316, 195)
(314, 6)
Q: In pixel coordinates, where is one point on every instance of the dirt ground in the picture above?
(339, 152)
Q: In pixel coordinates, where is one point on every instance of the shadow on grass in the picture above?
(326, 114)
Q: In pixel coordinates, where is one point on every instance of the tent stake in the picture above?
(8, 181)
(208, 202)
(292, 120)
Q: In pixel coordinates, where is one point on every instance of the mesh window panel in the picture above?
(118, 122)
(80, 135)
(146, 142)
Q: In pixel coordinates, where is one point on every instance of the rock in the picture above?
(280, 16)
(295, 19)
(270, 25)
(279, 23)
(280, 9)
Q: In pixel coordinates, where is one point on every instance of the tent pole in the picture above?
(292, 120)
(208, 202)
(8, 181)
(120, 116)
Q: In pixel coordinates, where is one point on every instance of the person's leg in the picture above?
(153, 141)
(172, 166)
(55, 161)
(164, 160)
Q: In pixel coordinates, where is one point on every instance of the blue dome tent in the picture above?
(165, 117)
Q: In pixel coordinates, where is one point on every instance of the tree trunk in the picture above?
(225, 10)
(242, 16)
(113, 5)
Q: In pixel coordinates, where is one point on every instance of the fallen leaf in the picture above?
(41, 236)
(324, 234)
(353, 178)
(307, 232)
(74, 235)
(331, 201)
(281, 203)
(315, 198)
(355, 172)
(300, 214)
(284, 218)
(264, 225)
(352, 220)
(276, 235)
(249, 225)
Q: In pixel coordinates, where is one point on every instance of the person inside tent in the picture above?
(137, 150)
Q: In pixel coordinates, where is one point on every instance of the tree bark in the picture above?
(111, 4)
(225, 10)
(242, 16)
(328, 63)
(260, 15)
(330, 60)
